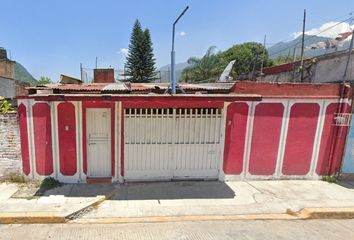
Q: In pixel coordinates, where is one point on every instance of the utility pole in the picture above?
(81, 71)
(173, 77)
(348, 60)
(302, 46)
(124, 73)
(96, 63)
(294, 59)
(264, 48)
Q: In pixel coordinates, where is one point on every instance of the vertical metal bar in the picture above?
(303, 46)
(152, 145)
(195, 155)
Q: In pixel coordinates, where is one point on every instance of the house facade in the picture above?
(225, 131)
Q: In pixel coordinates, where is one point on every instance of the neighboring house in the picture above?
(321, 69)
(132, 132)
(13, 77)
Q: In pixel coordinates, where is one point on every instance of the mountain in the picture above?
(165, 71)
(287, 48)
(21, 74)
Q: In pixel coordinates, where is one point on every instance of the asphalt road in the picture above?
(310, 229)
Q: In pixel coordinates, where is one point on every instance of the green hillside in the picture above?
(21, 74)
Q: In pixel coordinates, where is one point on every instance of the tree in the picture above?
(205, 68)
(248, 57)
(44, 80)
(140, 63)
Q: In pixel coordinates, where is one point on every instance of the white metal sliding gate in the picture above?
(171, 143)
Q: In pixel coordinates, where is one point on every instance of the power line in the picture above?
(312, 36)
(330, 20)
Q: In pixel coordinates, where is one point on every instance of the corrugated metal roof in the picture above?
(73, 87)
(119, 86)
(136, 87)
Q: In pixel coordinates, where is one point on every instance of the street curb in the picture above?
(45, 217)
(303, 214)
(83, 210)
(187, 218)
(323, 213)
(30, 217)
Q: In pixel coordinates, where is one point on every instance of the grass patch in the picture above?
(330, 178)
(14, 178)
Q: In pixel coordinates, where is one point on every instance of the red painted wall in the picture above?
(43, 138)
(67, 138)
(103, 75)
(98, 104)
(326, 140)
(338, 150)
(26, 167)
(265, 138)
(235, 137)
(300, 138)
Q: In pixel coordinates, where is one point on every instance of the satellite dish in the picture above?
(225, 76)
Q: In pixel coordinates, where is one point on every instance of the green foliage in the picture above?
(44, 80)
(330, 178)
(49, 183)
(204, 68)
(140, 63)
(6, 106)
(248, 58)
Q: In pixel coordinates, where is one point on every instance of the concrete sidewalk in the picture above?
(177, 200)
(48, 208)
(136, 200)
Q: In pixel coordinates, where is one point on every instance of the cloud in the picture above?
(182, 34)
(330, 33)
(124, 51)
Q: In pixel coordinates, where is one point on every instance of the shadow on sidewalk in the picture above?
(147, 191)
(347, 184)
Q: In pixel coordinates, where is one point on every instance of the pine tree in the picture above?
(140, 60)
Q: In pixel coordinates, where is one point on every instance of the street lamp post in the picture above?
(173, 76)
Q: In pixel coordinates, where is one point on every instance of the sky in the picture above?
(53, 37)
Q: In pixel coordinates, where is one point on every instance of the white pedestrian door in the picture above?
(98, 140)
(171, 143)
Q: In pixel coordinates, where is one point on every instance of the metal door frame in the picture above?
(109, 142)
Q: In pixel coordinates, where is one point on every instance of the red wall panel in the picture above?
(43, 138)
(265, 138)
(67, 138)
(341, 136)
(326, 140)
(300, 138)
(26, 167)
(235, 136)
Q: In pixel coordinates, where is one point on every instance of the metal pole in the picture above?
(348, 60)
(173, 77)
(302, 46)
(264, 48)
(81, 71)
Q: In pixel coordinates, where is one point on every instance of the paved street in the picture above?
(311, 229)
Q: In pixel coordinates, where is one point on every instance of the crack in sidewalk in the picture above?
(80, 213)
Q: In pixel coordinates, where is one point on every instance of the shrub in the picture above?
(330, 178)
(6, 106)
(49, 183)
